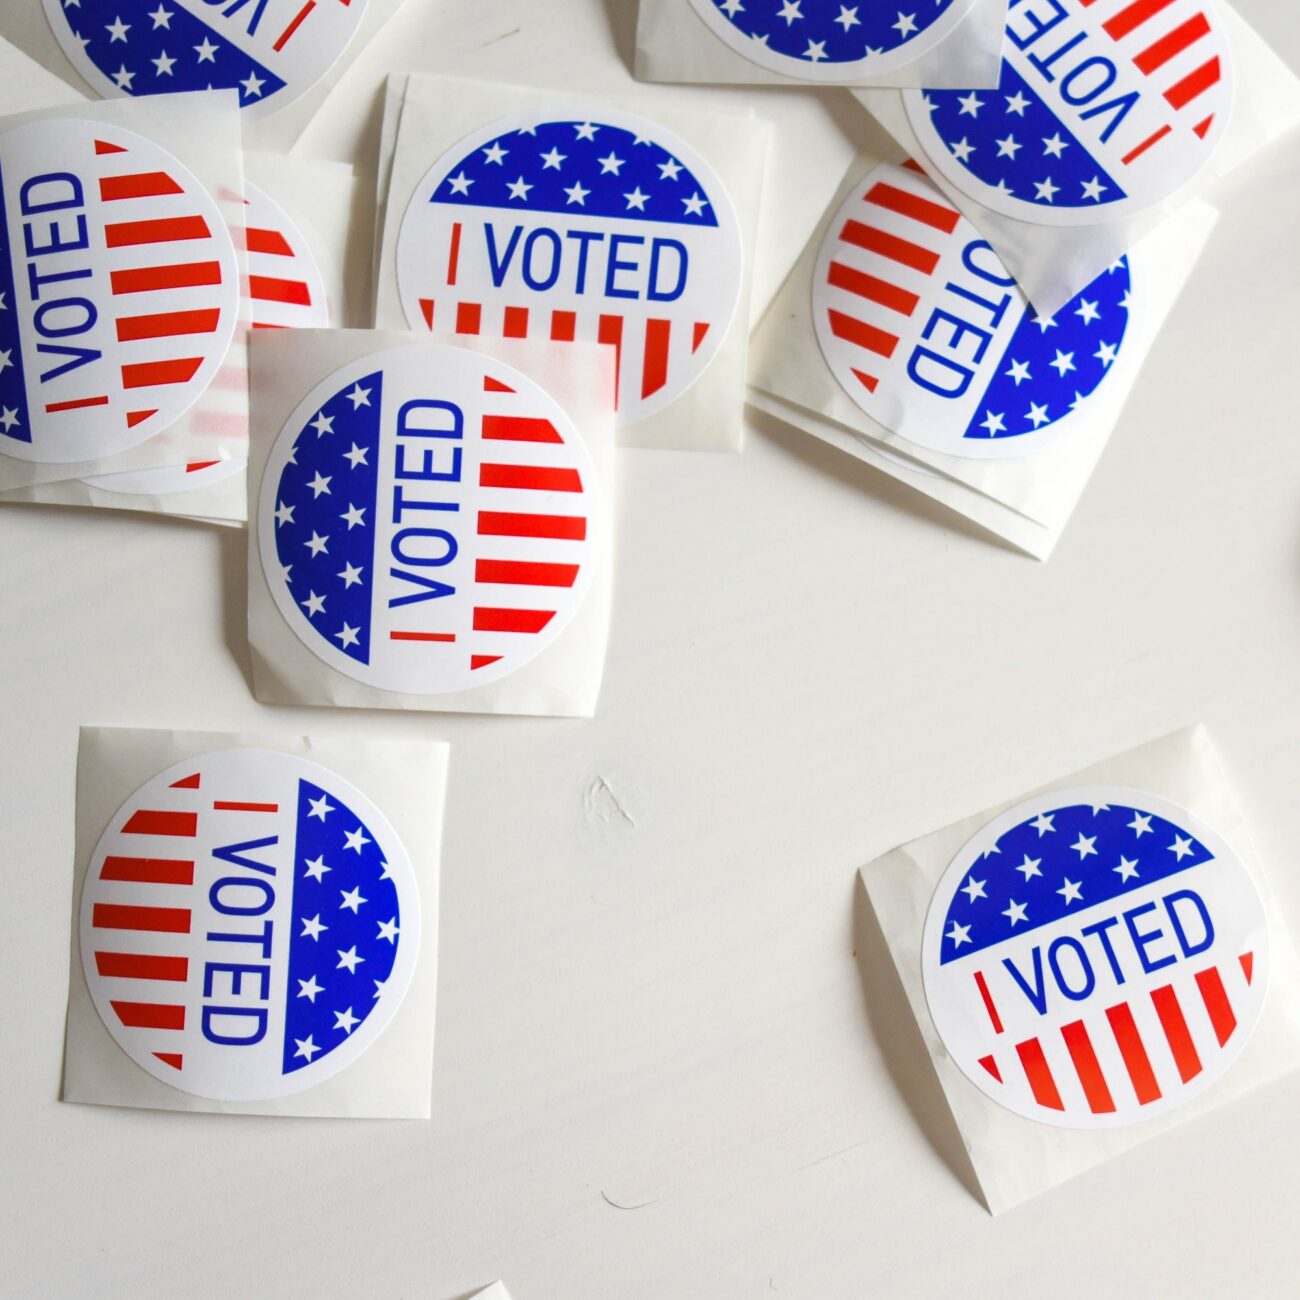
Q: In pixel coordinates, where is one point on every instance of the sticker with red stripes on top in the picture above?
(285, 291)
(572, 224)
(929, 335)
(1095, 955)
(119, 290)
(1104, 108)
(249, 925)
(429, 520)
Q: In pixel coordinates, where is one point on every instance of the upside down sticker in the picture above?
(930, 336)
(270, 51)
(119, 290)
(1104, 108)
(1094, 956)
(428, 520)
(601, 228)
(249, 925)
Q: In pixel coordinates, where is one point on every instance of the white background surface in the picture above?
(660, 1070)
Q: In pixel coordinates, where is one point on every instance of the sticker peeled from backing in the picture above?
(1104, 108)
(249, 925)
(119, 290)
(270, 51)
(825, 40)
(929, 335)
(286, 291)
(1094, 956)
(429, 520)
(558, 226)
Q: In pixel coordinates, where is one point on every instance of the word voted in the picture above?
(958, 333)
(1138, 941)
(249, 14)
(586, 261)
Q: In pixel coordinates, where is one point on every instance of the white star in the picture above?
(207, 52)
(1062, 363)
(1016, 912)
(312, 929)
(359, 397)
(1083, 846)
(848, 17)
(252, 84)
(695, 206)
(164, 63)
(994, 424)
(670, 170)
(1070, 891)
(973, 888)
(1125, 302)
(1008, 147)
(1128, 868)
(790, 11)
(494, 153)
(959, 934)
(1037, 415)
(388, 930)
(816, 51)
(352, 899)
(1092, 189)
(610, 163)
(1029, 867)
(314, 604)
(551, 161)
(283, 514)
(306, 1047)
(962, 149)
(355, 515)
(6, 360)
(636, 199)
(1054, 145)
(317, 543)
(379, 988)
(308, 989)
(320, 807)
(349, 959)
(1106, 353)
(1087, 311)
(123, 78)
(1043, 823)
(161, 18)
(1141, 823)
(348, 636)
(357, 456)
(117, 31)
(970, 105)
(731, 7)
(1099, 808)
(586, 131)
(316, 868)
(1019, 372)
(905, 25)
(355, 839)
(519, 189)
(351, 575)
(576, 194)
(319, 485)
(1017, 104)
(1045, 189)
(323, 424)
(1044, 323)
(460, 183)
(1181, 848)
(346, 1021)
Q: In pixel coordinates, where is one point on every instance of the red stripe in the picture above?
(1039, 1074)
(527, 573)
(1134, 1052)
(868, 382)
(147, 279)
(137, 417)
(512, 620)
(191, 782)
(864, 335)
(654, 367)
(271, 242)
(1154, 138)
(1157, 54)
(233, 805)
(1133, 16)
(1247, 960)
(1202, 127)
(121, 916)
(174, 1059)
(53, 408)
(992, 1067)
(103, 147)
(143, 185)
(482, 661)
(874, 290)
(988, 1002)
(193, 468)
(913, 166)
(149, 871)
(491, 385)
(1215, 997)
(516, 323)
(161, 230)
(141, 966)
(469, 316)
(267, 288)
(495, 523)
(519, 428)
(168, 324)
(536, 478)
(908, 205)
(453, 255)
(149, 373)
(701, 329)
(887, 245)
(426, 306)
(563, 326)
(1194, 84)
(1087, 1067)
(150, 1015)
(154, 821)
(1173, 1023)
(287, 35)
(422, 636)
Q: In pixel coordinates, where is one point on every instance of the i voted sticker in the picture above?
(1104, 108)
(119, 290)
(563, 225)
(286, 291)
(928, 334)
(249, 925)
(1095, 956)
(429, 520)
(825, 40)
(270, 51)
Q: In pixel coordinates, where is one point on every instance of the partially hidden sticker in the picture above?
(563, 225)
(119, 290)
(269, 51)
(825, 40)
(930, 336)
(249, 925)
(286, 291)
(429, 520)
(1095, 956)
(1104, 108)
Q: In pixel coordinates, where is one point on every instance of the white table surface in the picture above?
(672, 1060)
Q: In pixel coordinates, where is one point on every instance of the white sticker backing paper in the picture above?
(251, 924)
(1092, 964)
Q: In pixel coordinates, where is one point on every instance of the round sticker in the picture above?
(270, 51)
(286, 291)
(249, 925)
(428, 520)
(119, 290)
(930, 336)
(1094, 956)
(561, 226)
(825, 40)
(1104, 108)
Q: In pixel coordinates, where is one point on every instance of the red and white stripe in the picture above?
(285, 286)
